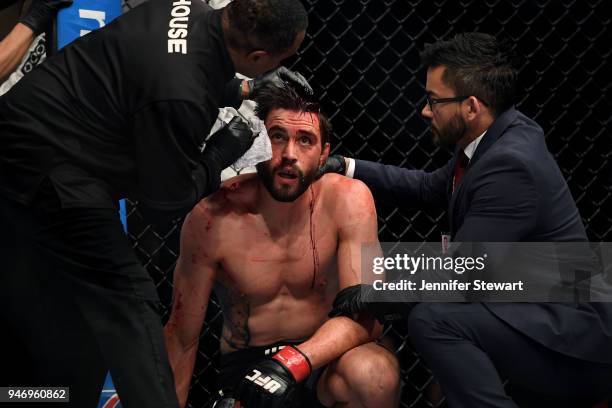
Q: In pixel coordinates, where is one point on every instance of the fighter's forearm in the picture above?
(337, 336)
(182, 362)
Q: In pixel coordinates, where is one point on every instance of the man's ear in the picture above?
(474, 107)
(255, 57)
(324, 155)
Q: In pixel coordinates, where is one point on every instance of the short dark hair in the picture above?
(271, 25)
(477, 65)
(292, 97)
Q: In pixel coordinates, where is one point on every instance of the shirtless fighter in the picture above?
(277, 246)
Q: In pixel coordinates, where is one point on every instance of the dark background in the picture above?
(362, 58)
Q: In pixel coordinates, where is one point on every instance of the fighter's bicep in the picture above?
(357, 225)
(194, 277)
(198, 254)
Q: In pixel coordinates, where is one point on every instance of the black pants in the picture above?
(74, 303)
(470, 350)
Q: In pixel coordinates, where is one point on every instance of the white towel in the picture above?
(261, 150)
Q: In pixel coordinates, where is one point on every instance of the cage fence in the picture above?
(362, 59)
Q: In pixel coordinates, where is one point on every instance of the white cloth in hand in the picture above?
(261, 150)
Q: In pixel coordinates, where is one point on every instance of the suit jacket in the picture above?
(512, 191)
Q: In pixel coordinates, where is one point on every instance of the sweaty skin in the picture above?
(275, 266)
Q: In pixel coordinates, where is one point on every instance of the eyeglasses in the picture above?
(431, 101)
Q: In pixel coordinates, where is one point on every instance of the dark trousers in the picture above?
(74, 303)
(470, 350)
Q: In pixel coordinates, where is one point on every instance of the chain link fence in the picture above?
(362, 58)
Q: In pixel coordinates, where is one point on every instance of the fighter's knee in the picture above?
(375, 377)
(386, 376)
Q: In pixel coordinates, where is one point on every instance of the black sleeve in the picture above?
(171, 175)
(231, 95)
(404, 187)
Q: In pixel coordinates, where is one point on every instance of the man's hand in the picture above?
(41, 13)
(333, 164)
(271, 383)
(363, 298)
(277, 77)
(229, 143)
(226, 403)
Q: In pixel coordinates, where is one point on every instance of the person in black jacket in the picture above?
(121, 112)
(502, 185)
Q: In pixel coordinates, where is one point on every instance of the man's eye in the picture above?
(305, 140)
(277, 136)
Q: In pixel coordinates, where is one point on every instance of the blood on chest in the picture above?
(265, 268)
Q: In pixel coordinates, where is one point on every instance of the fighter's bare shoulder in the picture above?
(333, 180)
(347, 195)
(233, 197)
(231, 200)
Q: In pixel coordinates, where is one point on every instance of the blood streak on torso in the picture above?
(276, 281)
(313, 243)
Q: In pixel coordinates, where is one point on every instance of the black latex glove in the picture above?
(267, 384)
(333, 164)
(359, 298)
(277, 77)
(227, 402)
(41, 13)
(229, 143)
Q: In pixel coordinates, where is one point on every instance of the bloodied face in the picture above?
(297, 153)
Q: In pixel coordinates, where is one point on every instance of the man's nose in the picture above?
(426, 112)
(290, 152)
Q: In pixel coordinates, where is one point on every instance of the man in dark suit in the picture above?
(502, 185)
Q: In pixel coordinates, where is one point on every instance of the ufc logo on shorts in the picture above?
(267, 383)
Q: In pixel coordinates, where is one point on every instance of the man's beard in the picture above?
(450, 133)
(286, 193)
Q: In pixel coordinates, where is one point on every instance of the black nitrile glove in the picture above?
(41, 13)
(229, 143)
(227, 402)
(333, 164)
(358, 299)
(277, 77)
